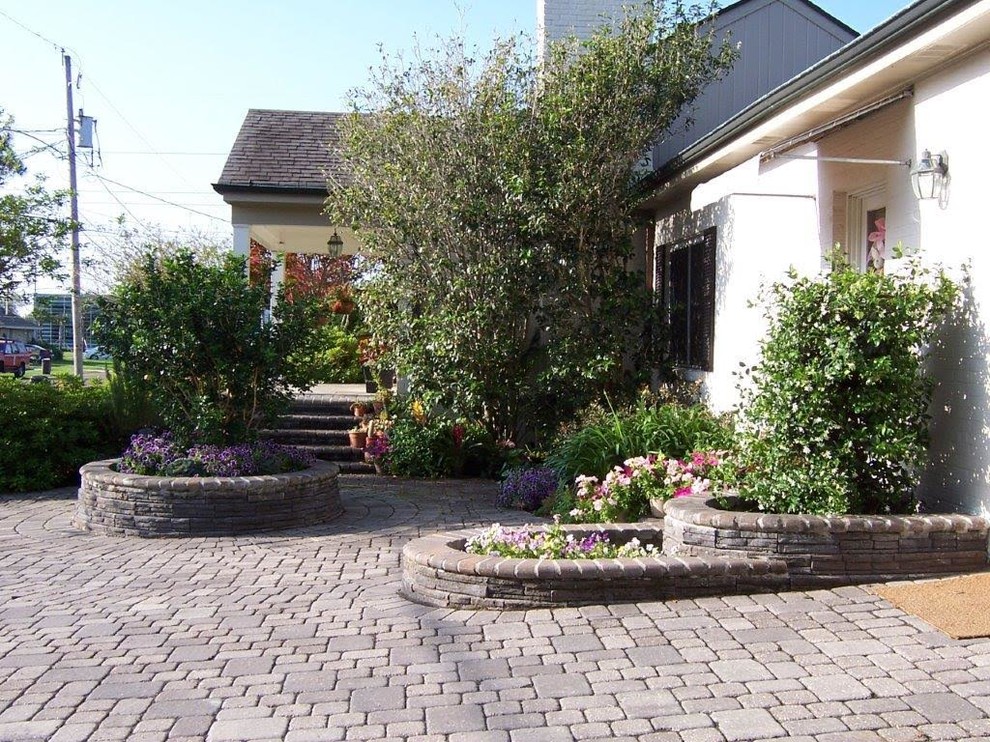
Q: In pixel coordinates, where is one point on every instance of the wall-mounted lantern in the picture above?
(335, 245)
(929, 175)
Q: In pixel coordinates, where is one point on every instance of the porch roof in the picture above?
(287, 152)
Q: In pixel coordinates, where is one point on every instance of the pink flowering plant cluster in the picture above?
(552, 542)
(625, 493)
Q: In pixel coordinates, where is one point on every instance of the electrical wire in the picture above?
(157, 198)
(122, 204)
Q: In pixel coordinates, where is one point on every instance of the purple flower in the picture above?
(526, 489)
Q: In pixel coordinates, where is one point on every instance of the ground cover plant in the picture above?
(836, 415)
(50, 430)
(496, 198)
(552, 542)
(159, 454)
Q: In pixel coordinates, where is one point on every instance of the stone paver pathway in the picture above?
(301, 636)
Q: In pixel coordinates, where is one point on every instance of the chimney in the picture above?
(558, 19)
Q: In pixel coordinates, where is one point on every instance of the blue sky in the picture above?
(169, 83)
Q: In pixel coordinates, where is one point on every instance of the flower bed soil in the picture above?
(135, 505)
(706, 551)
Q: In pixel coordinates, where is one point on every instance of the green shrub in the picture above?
(437, 446)
(671, 429)
(837, 414)
(192, 331)
(50, 430)
(336, 359)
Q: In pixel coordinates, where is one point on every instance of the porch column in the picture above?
(242, 244)
(278, 278)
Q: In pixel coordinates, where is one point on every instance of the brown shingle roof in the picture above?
(287, 150)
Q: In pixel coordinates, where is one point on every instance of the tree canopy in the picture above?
(496, 196)
(33, 226)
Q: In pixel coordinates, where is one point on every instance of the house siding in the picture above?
(772, 215)
(777, 39)
(765, 225)
(958, 475)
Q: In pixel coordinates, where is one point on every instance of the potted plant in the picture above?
(358, 436)
(360, 408)
(376, 449)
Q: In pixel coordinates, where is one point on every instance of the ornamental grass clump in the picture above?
(836, 417)
(552, 542)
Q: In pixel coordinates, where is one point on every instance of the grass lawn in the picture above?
(91, 369)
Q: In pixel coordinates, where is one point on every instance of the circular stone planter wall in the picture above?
(437, 571)
(830, 550)
(134, 505)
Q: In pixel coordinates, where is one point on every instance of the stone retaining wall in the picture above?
(134, 505)
(830, 550)
(437, 571)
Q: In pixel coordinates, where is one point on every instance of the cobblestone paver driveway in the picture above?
(301, 636)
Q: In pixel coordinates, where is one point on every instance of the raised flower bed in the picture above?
(829, 550)
(118, 504)
(436, 570)
(702, 551)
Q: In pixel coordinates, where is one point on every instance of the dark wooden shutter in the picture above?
(703, 302)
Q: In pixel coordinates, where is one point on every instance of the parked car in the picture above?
(37, 352)
(14, 357)
(96, 353)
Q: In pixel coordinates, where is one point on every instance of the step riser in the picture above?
(311, 437)
(317, 422)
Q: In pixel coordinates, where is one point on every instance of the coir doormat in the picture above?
(958, 606)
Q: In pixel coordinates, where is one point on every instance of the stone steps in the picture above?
(320, 426)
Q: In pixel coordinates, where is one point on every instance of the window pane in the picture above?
(679, 304)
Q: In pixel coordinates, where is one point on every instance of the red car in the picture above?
(14, 357)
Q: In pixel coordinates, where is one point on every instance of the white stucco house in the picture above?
(827, 157)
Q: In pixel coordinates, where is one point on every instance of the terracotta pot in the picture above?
(358, 439)
(359, 410)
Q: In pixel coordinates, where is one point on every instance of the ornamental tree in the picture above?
(191, 331)
(496, 197)
(32, 223)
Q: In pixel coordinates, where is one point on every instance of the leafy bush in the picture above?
(336, 359)
(423, 445)
(668, 429)
(836, 418)
(50, 430)
(193, 331)
(158, 454)
(527, 488)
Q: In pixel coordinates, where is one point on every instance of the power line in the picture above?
(156, 198)
(122, 204)
(182, 154)
(58, 47)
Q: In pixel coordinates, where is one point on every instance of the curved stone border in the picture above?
(828, 550)
(135, 505)
(437, 571)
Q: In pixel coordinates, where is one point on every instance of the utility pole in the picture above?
(77, 322)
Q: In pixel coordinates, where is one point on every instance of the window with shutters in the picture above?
(685, 280)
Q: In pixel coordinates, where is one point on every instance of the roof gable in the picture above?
(285, 150)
